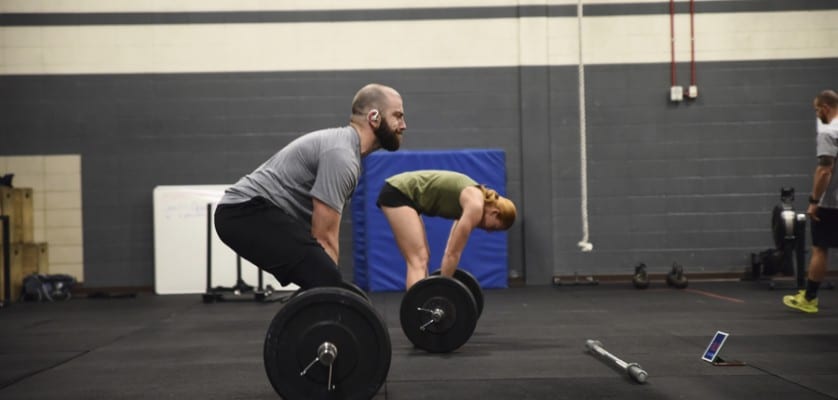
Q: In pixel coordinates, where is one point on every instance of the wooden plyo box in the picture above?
(36, 257)
(25, 259)
(18, 205)
(16, 266)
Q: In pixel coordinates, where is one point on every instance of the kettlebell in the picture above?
(676, 277)
(640, 278)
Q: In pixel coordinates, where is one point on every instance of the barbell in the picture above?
(327, 343)
(466, 278)
(438, 314)
(633, 370)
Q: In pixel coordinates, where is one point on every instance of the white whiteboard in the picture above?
(180, 243)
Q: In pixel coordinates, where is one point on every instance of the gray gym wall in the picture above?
(692, 182)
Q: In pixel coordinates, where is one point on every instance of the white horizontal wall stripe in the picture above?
(766, 36)
(412, 44)
(92, 6)
(255, 47)
(633, 39)
(719, 37)
(533, 41)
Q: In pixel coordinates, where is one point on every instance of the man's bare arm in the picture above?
(325, 227)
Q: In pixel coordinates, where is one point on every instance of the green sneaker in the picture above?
(799, 302)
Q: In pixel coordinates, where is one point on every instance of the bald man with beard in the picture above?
(284, 217)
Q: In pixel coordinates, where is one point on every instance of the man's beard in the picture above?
(387, 137)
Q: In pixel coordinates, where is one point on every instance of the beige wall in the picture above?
(443, 43)
(56, 191)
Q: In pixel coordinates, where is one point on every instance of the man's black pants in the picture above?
(276, 242)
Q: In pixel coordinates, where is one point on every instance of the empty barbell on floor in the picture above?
(632, 369)
(327, 342)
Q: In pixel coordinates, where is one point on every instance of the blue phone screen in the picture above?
(714, 346)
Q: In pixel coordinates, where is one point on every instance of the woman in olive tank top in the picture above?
(445, 194)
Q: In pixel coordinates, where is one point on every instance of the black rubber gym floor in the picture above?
(529, 344)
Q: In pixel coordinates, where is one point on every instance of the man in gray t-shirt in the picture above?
(284, 217)
(823, 203)
(325, 164)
